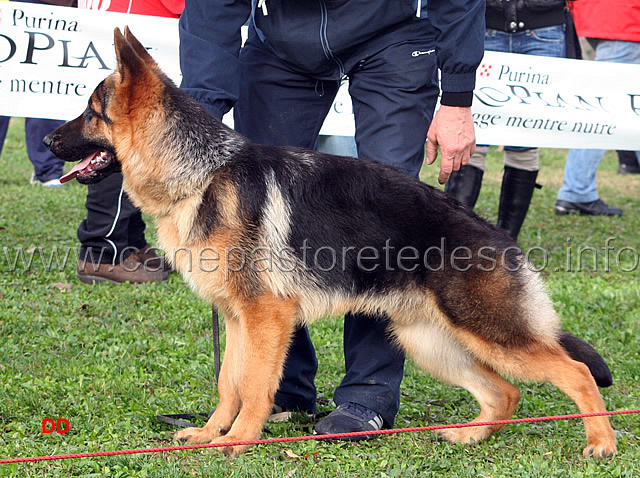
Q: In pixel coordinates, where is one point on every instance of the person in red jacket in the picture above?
(614, 32)
(113, 244)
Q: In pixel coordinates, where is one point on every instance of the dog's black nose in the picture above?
(48, 140)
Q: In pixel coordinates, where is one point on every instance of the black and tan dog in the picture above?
(278, 237)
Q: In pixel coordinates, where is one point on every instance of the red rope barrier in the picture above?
(311, 437)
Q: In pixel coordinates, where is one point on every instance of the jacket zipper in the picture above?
(324, 41)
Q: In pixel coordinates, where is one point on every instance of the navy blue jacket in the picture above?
(312, 35)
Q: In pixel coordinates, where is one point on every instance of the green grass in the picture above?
(109, 358)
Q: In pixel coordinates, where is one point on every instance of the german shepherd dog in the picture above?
(284, 236)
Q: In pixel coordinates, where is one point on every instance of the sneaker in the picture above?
(593, 208)
(350, 417)
(51, 183)
(132, 269)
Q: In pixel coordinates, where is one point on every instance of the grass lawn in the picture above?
(109, 358)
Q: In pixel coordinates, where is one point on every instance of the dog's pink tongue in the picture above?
(77, 169)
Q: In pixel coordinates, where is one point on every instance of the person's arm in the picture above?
(210, 42)
(460, 29)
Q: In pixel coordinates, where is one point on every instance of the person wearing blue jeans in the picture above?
(578, 193)
(47, 169)
(282, 84)
(514, 26)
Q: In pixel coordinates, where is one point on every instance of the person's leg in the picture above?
(278, 106)
(579, 183)
(107, 252)
(628, 162)
(466, 183)
(618, 51)
(547, 41)
(578, 193)
(338, 145)
(521, 163)
(47, 167)
(136, 237)
(4, 127)
(394, 96)
(104, 234)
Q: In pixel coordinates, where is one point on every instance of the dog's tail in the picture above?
(581, 351)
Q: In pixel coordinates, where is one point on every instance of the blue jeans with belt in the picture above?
(579, 183)
(546, 41)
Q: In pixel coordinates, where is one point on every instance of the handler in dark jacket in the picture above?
(281, 85)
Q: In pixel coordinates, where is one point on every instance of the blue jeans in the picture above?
(547, 41)
(45, 164)
(338, 145)
(580, 169)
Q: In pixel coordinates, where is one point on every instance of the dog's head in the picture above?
(100, 137)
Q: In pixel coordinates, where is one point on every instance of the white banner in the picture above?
(526, 100)
(51, 59)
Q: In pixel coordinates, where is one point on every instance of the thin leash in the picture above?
(215, 324)
(310, 437)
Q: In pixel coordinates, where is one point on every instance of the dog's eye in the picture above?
(90, 114)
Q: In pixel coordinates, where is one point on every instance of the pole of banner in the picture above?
(180, 419)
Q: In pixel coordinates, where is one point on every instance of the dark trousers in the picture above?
(394, 95)
(45, 164)
(113, 227)
(4, 126)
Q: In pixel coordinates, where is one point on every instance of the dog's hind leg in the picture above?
(575, 380)
(265, 325)
(550, 362)
(229, 404)
(437, 352)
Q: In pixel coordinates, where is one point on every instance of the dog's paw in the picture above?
(599, 450)
(231, 449)
(465, 435)
(194, 435)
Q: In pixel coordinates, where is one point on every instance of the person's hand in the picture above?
(451, 130)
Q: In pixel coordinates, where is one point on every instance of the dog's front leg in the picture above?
(266, 326)
(225, 413)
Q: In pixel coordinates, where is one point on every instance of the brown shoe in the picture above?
(132, 269)
(153, 261)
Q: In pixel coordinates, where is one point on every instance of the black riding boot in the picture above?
(515, 198)
(464, 185)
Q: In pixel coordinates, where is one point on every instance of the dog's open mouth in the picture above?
(89, 167)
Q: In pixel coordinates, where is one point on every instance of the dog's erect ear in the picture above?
(139, 47)
(133, 58)
(129, 63)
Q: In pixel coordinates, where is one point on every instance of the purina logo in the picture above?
(507, 74)
(485, 70)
